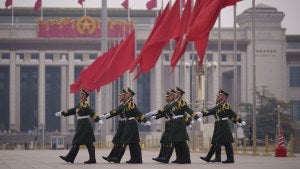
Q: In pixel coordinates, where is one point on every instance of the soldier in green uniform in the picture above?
(222, 134)
(164, 141)
(84, 134)
(130, 135)
(116, 140)
(179, 135)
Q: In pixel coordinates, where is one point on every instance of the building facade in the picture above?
(36, 72)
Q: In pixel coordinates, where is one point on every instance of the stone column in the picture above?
(41, 91)
(12, 93)
(70, 119)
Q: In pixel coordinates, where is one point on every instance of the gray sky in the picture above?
(289, 7)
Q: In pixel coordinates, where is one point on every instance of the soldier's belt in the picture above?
(130, 118)
(82, 117)
(225, 118)
(177, 117)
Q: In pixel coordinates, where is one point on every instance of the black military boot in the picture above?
(167, 154)
(178, 154)
(91, 150)
(210, 153)
(229, 154)
(117, 158)
(112, 153)
(218, 154)
(70, 157)
(186, 157)
(161, 152)
(135, 154)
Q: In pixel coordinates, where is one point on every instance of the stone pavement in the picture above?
(49, 159)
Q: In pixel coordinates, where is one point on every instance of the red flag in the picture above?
(168, 27)
(125, 4)
(37, 5)
(151, 4)
(81, 2)
(120, 61)
(87, 76)
(180, 42)
(206, 18)
(8, 3)
(158, 21)
(204, 21)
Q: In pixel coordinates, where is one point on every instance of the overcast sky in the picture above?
(289, 7)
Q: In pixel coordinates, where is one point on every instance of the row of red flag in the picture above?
(38, 4)
(194, 25)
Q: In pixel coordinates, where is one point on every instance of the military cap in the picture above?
(84, 91)
(178, 90)
(123, 92)
(172, 91)
(168, 93)
(130, 91)
(222, 92)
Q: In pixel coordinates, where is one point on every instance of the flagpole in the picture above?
(219, 52)
(12, 15)
(41, 9)
(84, 9)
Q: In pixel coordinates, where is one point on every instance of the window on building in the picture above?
(209, 57)
(238, 57)
(78, 56)
(295, 110)
(93, 56)
(35, 56)
(5, 55)
(223, 58)
(295, 76)
(166, 57)
(49, 56)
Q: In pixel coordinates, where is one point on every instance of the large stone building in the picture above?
(36, 72)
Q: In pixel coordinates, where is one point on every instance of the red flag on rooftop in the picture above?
(81, 2)
(37, 5)
(151, 4)
(125, 4)
(8, 3)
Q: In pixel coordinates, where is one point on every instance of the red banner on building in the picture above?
(84, 27)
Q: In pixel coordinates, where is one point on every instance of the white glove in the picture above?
(148, 123)
(191, 126)
(243, 123)
(199, 114)
(192, 122)
(100, 122)
(149, 114)
(58, 114)
(199, 119)
(104, 116)
(155, 112)
(153, 117)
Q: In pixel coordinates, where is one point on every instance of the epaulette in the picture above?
(181, 103)
(84, 104)
(225, 106)
(131, 105)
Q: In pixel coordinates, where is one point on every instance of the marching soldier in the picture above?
(84, 134)
(116, 140)
(178, 133)
(222, 134)
(130, 135)
(164, 154)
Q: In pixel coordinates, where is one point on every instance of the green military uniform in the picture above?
(166, 144)
(84, 134)
(222, 133)
(178, 133)
(130, 135)
(117, 137)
